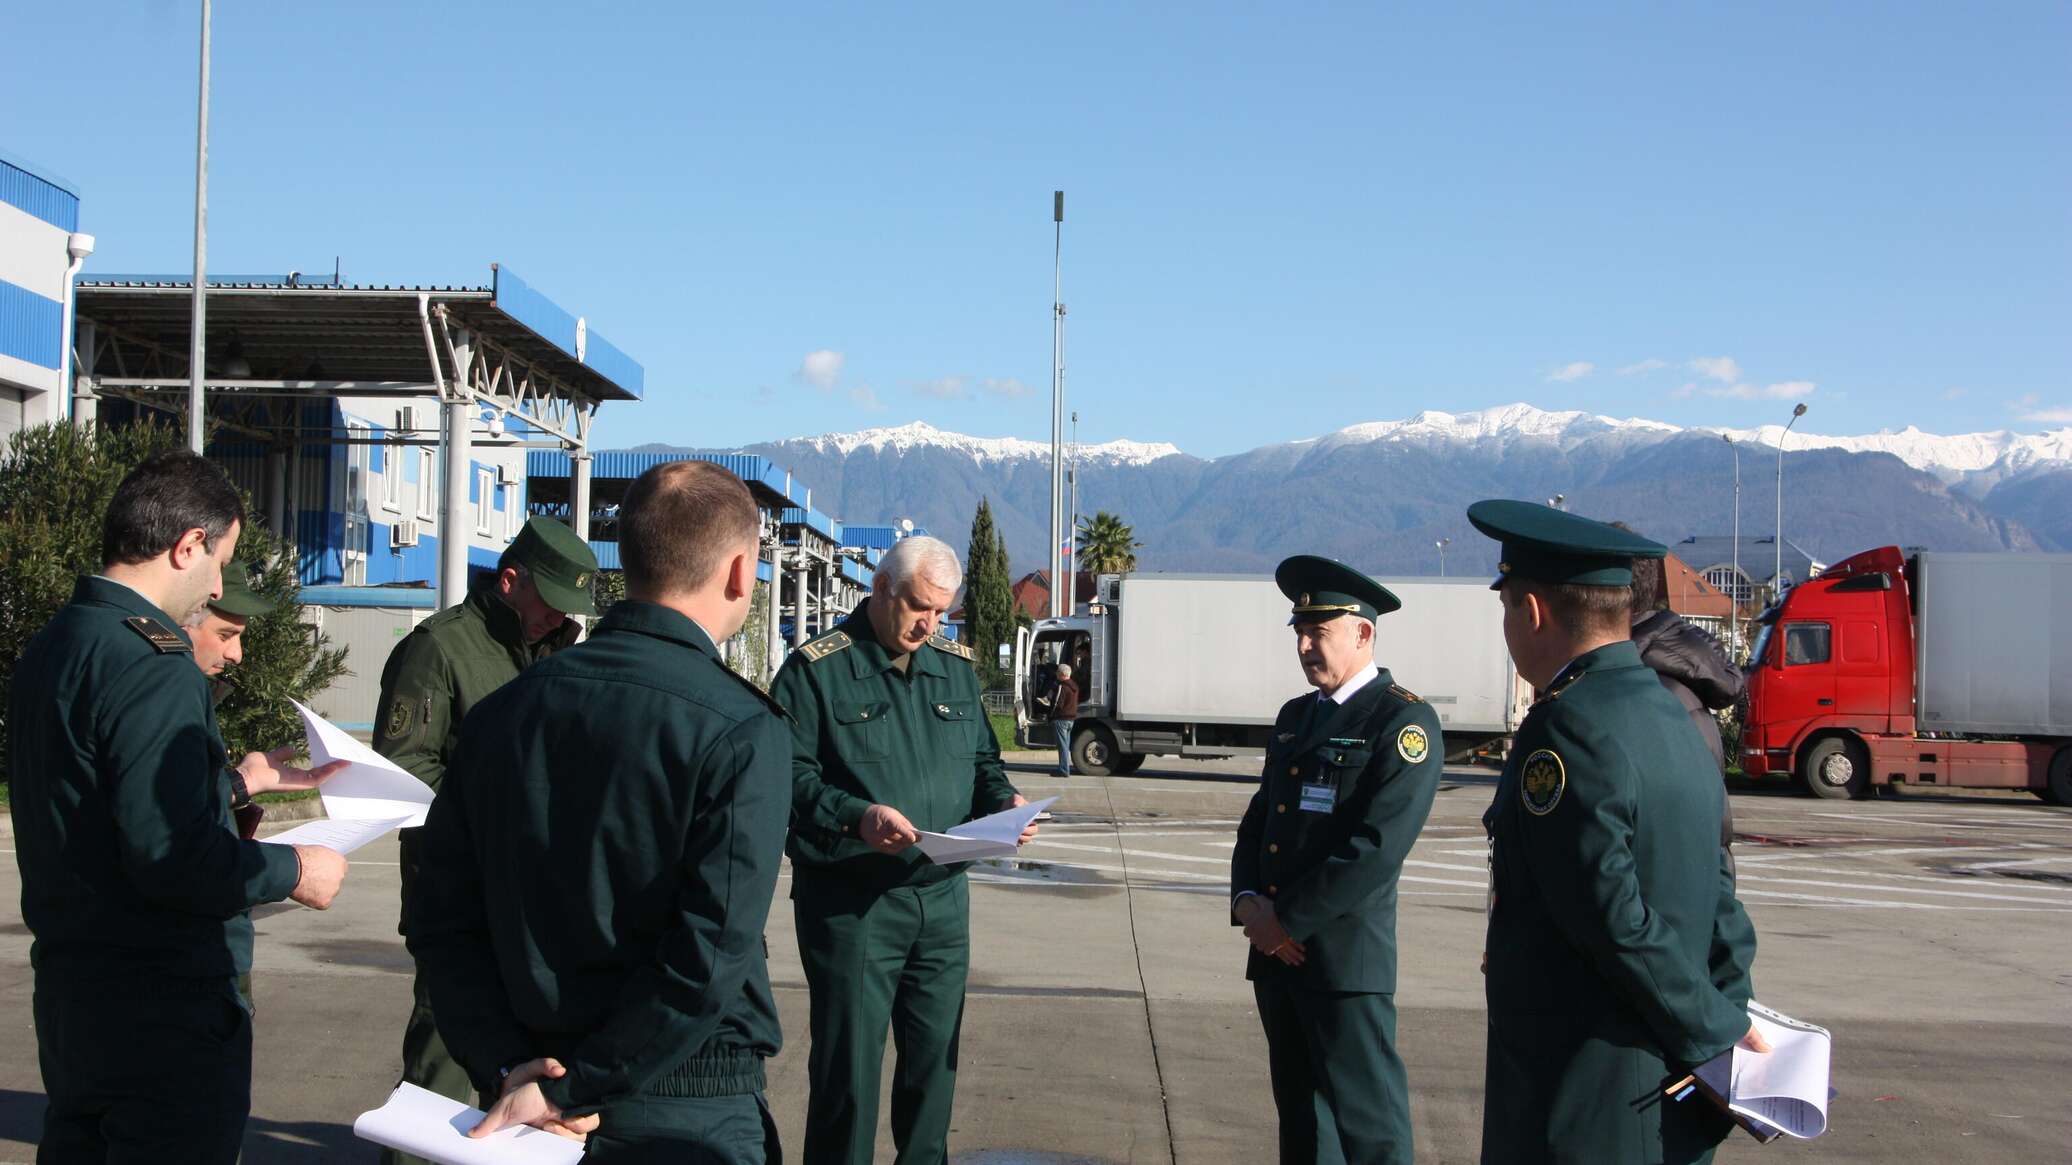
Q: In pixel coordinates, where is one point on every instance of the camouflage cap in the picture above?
(560, 563)
(239, 600)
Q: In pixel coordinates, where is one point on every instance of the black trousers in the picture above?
(1337, 1081)
(143, 1071)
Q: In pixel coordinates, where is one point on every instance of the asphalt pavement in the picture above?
(1108, 1019)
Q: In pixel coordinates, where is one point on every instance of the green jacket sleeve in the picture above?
(1733, 941)
(414, 717)
(452, 943)
(1580, 855)
(1392, 799)
(1244, 857)
(731, 858)
(816, 804)
(163, 767)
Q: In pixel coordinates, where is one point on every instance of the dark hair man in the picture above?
(1608, 891)
(133, 881)
(599, 861)
(1350, 775)
(888, 737)
(510, 620)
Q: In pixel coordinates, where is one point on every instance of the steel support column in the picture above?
(801, 583)
(773, 647)
(579, 492)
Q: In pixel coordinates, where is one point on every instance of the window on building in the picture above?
(485, 498)
(392, 479)
(1806, 643)
(1733, 583)
(427, 474)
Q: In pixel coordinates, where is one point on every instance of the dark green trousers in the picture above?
(426, 1062)
(874, 958)
(143, 1071)
(1337, 1081)
(686, 1130)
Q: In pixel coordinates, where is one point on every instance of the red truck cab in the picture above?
(1832, 699)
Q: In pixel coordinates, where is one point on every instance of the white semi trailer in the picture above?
(1198, 664)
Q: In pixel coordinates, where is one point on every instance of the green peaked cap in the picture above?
(1548, 545)
(1325, 588)
(239, 599)
(560, 563)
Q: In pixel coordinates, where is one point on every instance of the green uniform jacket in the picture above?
(863, 733)
(131, 865)
(1610, 897)
(598, 867)
(443, 668)
(1331, 867)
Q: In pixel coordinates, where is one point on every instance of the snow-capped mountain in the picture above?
(1381, 493)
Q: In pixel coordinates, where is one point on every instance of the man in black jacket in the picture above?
(1691, 664)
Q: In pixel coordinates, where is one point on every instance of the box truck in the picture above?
(1932, 669)
(1198, 664)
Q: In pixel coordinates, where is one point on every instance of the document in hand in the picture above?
(993, 836)
(430, 1126)
(1784, 1090)
(364, 800)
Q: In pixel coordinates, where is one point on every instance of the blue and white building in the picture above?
(40, 250)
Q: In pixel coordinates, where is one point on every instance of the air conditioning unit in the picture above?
(402, 534)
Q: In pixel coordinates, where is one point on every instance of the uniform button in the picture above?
(1273, 849)
(1294, 770)
(1272, 890)
(1280, 809)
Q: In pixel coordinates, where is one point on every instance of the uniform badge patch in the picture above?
(1412, 744)
(1541, 782)
(398, 721)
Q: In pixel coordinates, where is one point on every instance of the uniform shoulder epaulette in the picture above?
(768, 700)
(162, 638)
(1555, 690)
(1405, 694)
(825, 646)
(952, 646)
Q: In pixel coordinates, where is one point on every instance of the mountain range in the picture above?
(1381, 494)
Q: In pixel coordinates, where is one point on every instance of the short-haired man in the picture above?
(1064, 709)
(1351, 771)
(511, 619)
(1609, 895)
(888, 737)
(133, 881)
(600, 859)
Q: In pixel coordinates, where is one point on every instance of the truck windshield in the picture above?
(1762, 645)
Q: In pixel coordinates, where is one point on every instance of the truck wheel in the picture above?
(1836, 768)
(1128, 762)
(2059, 791)
(1093, 752)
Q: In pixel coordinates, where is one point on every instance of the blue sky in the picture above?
(1278, 223)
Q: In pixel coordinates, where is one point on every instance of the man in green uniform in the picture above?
(888, 737)
(133, 881)
(599, 862)
(445, 666)
(1609, 893)
(1350, 774)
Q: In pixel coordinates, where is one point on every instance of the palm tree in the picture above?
(1106, 545)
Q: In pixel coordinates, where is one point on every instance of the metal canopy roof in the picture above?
(547, 474)
(296, 330)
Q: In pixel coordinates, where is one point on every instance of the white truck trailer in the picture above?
(1198, 664)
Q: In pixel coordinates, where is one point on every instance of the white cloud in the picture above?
(1640, 366)
(2057, 416)
(1572, 371)
(821, 368)
(1955, 393)
(1724, 369)
(945, 388)
(1686, 392)
(1782, 390)
(862, 397)
(1006, 386)
(2027, 400)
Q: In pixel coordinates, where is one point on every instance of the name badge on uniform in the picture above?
(1319, 798)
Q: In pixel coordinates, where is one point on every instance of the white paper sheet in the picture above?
(993, 836)
(433, 1127)
(1786, 1087)
(368, 797)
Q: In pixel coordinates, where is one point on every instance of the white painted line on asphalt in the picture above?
(1826, 900)
(2052, 860)
(1133, 852)
(1481, 887)
(1862, 887)
(1952, 879)
(2011, 821)
(1757, 855)
(1423, 865)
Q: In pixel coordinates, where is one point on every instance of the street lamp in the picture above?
(1777, 571)
(1734, 587)
(1558, 501)
(1441, 544)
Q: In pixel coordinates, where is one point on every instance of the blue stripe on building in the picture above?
(31, 326)
(39, 193)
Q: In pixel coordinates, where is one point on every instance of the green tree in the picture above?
(1106, 545)
(55, 482)
(988, 599)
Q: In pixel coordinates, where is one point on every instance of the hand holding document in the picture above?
(428, 1125)
(1781, 1091)
(995, 836)
(368, 797)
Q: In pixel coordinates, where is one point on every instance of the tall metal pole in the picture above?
(1734, 588)
(1057, 404)
(1072, 532)
(1777, 571)
(196, 345)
